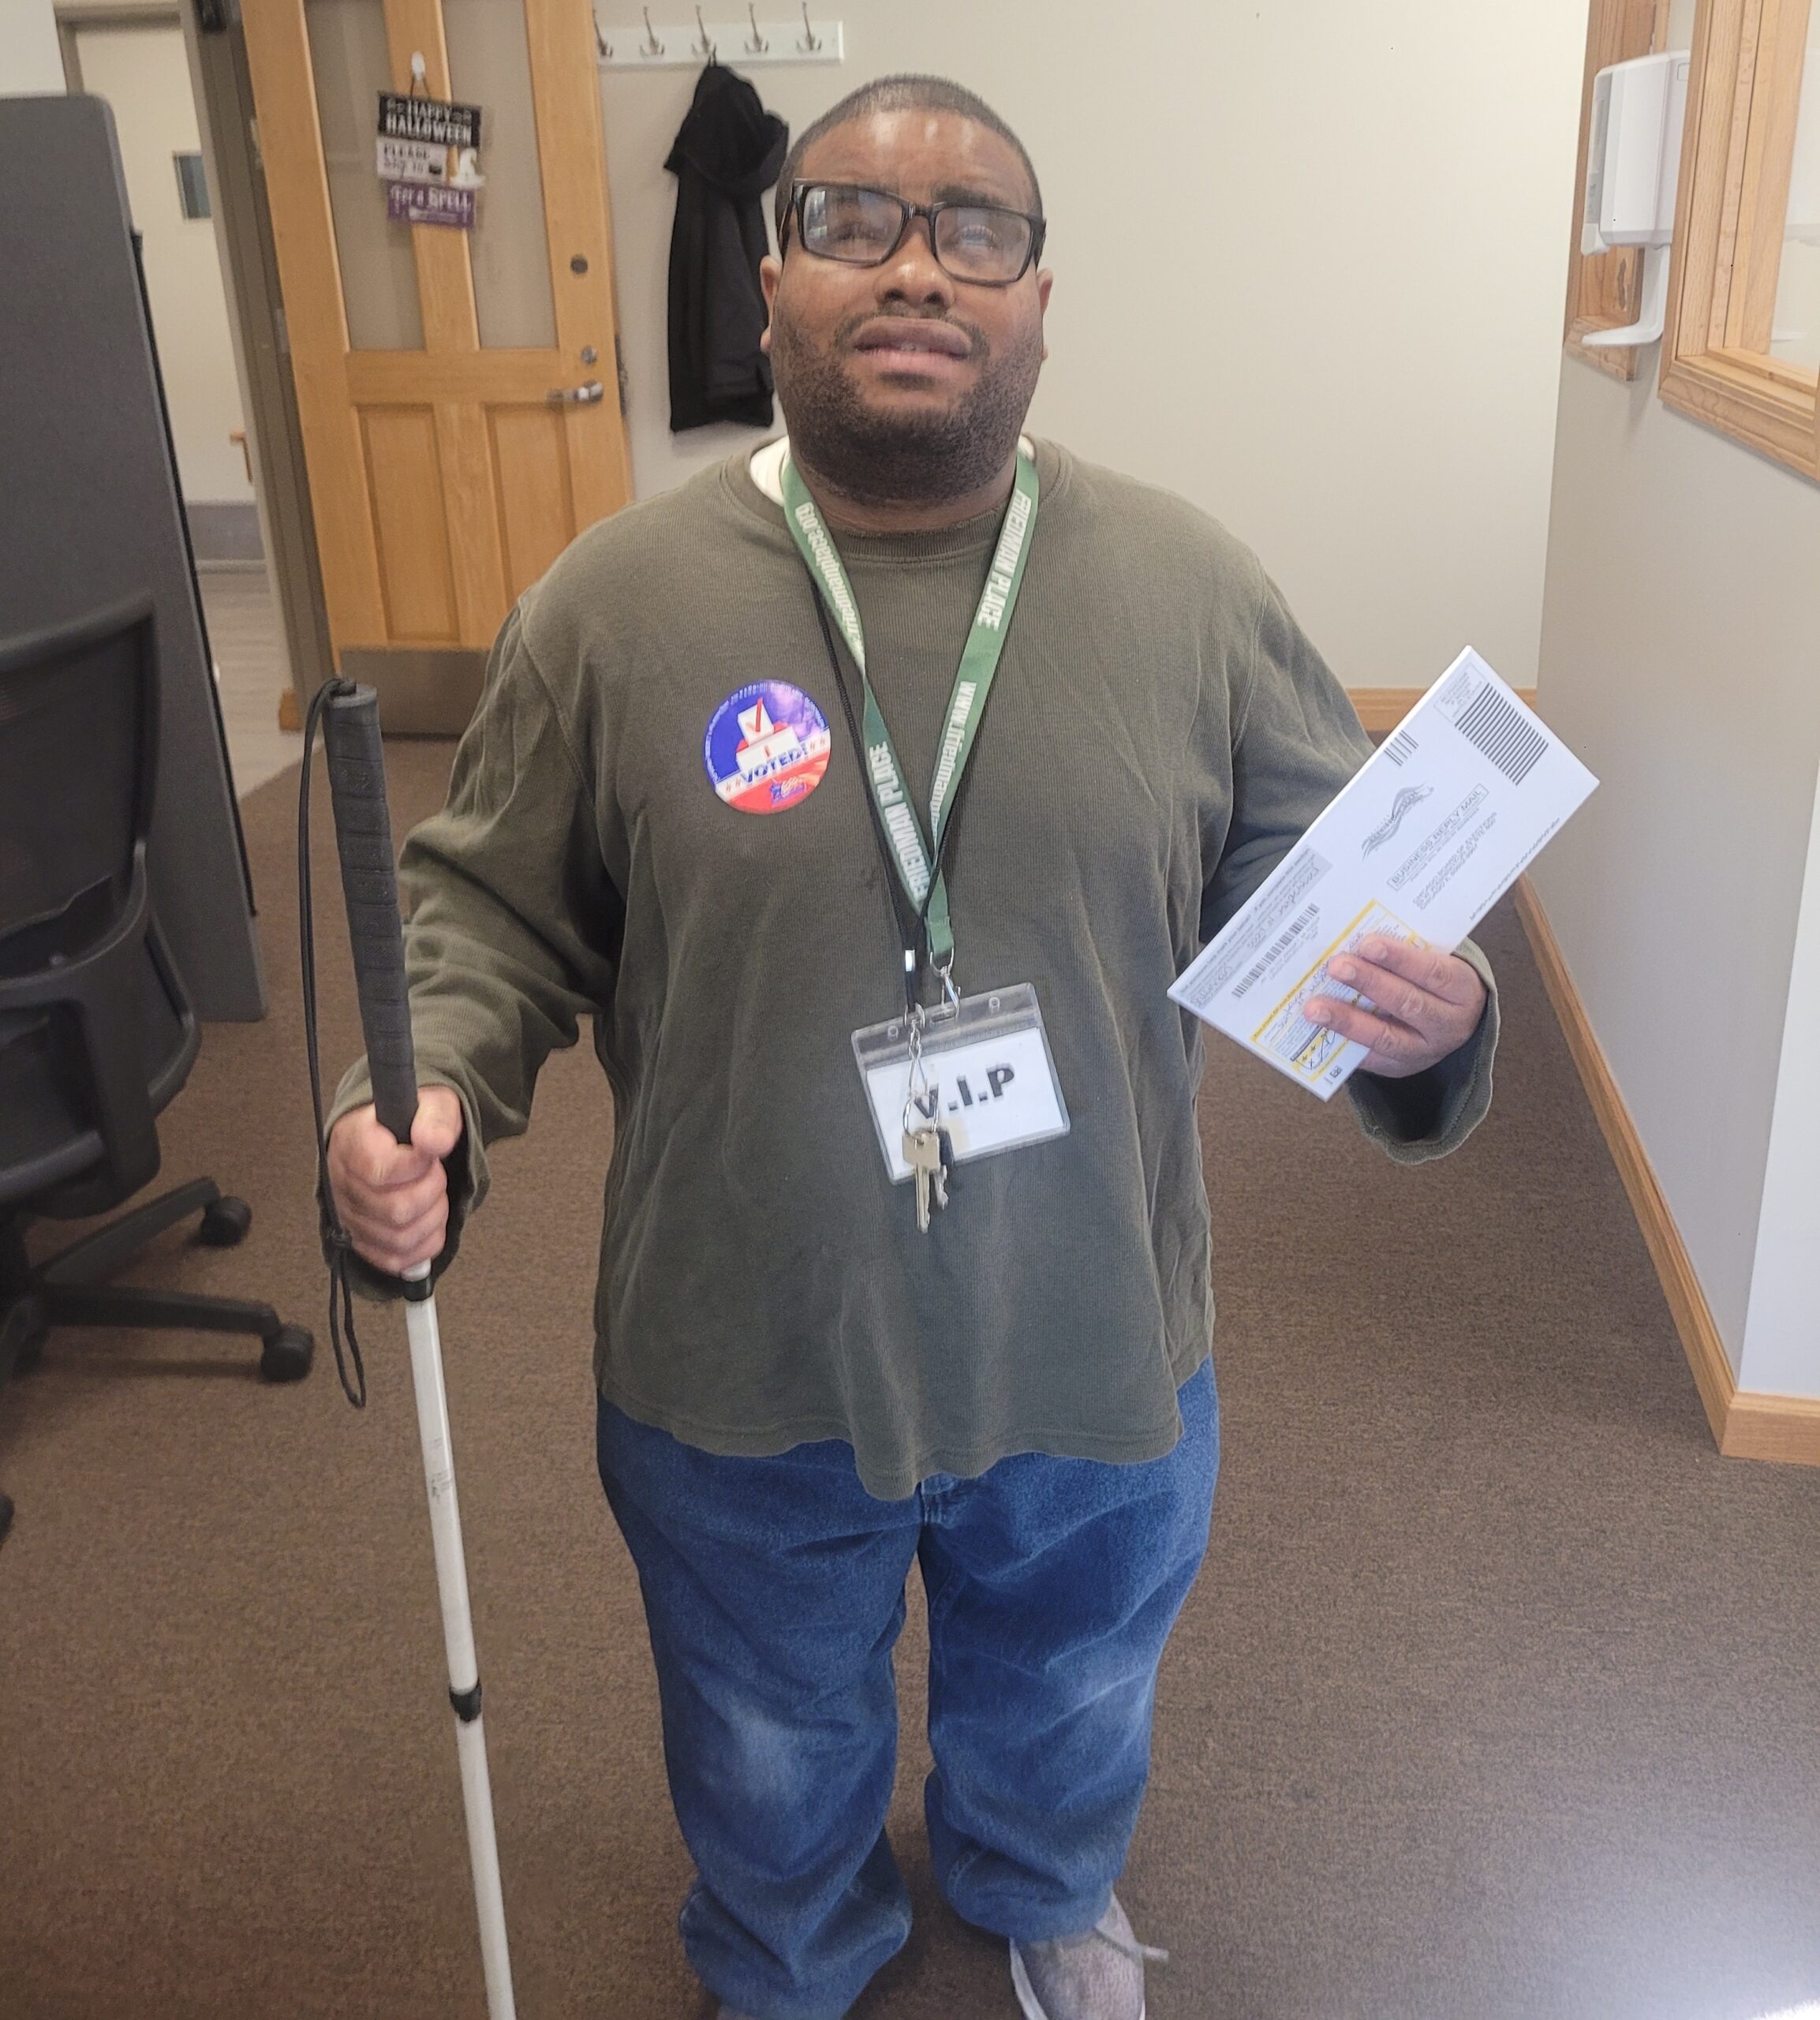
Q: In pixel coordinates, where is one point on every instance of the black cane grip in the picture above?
(370, 885)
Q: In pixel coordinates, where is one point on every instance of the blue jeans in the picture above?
(775, 1592)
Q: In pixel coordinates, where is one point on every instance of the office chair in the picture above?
(96, 1033)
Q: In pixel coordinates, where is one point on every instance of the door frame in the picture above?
(223, 88)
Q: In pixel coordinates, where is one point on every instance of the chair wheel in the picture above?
(225, 1223)
(287, 1355)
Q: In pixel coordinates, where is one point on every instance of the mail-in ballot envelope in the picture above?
(1444, 816)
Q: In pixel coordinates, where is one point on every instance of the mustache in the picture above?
(979, 345)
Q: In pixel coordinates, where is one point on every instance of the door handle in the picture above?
(575, 396)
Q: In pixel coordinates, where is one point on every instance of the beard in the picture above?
(884, 458)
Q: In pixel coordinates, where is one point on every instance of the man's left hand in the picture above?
(1424, 1005)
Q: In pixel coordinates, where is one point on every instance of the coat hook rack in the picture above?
(687, 45)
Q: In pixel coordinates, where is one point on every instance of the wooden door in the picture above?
(457, 390)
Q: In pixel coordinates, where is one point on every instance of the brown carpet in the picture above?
(1499, 1695)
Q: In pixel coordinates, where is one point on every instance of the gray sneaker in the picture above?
(1099, 1976)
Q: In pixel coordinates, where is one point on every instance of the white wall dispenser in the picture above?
(1633, 163)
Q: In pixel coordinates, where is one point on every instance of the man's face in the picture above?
(898, 381)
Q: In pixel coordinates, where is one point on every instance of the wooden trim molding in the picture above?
(1737, 149)
(1784, 1427)
(1746, 1424)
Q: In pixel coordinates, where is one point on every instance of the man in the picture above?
(666, 815)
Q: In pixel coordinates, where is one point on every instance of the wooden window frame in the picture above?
(1729, 211)
(1603, 288)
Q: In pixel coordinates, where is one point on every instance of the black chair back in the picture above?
(95, 1034)
(78, 728)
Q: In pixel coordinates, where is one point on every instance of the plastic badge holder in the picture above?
(990, 1078)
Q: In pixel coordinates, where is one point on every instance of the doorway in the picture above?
(194, 223)
(457, 384)
(136, 62)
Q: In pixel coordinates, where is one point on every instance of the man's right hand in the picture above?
(393, 1198)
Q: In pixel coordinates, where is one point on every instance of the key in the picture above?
(922, 1152)
(947, 1171)
(939, 1172)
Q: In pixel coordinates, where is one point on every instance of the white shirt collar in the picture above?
(766, 467)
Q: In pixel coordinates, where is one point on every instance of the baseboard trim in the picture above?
(1381, 708)
(1746, 1423)
(1786, 1428)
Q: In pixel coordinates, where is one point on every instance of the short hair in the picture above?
(905, 93)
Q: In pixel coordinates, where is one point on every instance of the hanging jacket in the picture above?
(726, 154)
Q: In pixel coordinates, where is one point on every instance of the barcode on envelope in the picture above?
(1497, 728)
(1277, 948)
(1399, 748)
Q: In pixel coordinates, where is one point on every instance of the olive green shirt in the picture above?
(1159, 734)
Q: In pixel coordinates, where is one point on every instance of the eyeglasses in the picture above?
(980, 243)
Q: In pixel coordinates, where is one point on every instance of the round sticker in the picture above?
(766, 748)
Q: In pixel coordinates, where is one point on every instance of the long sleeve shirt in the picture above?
(1160, 733)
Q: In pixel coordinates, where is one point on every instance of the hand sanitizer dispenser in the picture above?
(1633, 162)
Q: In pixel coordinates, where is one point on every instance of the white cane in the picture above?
(369, 882)
(458, 1634)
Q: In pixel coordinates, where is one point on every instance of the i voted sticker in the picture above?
(766, 747)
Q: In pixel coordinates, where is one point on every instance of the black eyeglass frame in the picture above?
(1039, 227)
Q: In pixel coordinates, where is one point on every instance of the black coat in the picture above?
(726, 154)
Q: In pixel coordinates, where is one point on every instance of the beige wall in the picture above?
(1781, 1351)
(30, 59)
(1681, 659)
(144, 74)
(1309, 266)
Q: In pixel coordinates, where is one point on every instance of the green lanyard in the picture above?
(918, 871)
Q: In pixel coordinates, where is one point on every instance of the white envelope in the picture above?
(1444, 817)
